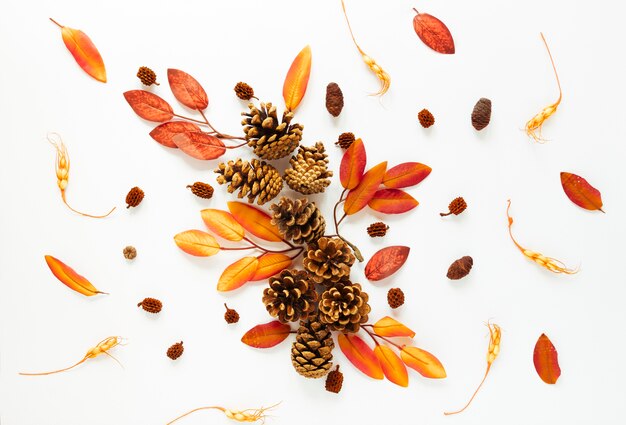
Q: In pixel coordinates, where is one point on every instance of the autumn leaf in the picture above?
(223, 224)
(392, 201)
(405, 175)
(390, 327)
(197, 243)
(237, 274)
(353, 165)
(297, 79)
(149, 106)
(269, 264)
(360, 355)
(358, 197)
(266, 335)
(187, 90)
(199, 145)
(434, 33)
(70, 278)
(255, 221)
(546, 360)
(386, 262)
(393, 367)
(423, 362)
(84, 52)
(164, 133)
(580, 192)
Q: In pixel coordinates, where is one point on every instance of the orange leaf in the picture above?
(84, 51)
(297, 79)
(392, 365)
(386, 262)
(358, 197)
(70, 278)
(580, 192)
(392, 201)
(391, 327)
(406, 174)
(423, 362)
(223, 224)
(163, 133)
(266, 335)
(237, 274)
(187, 90)
(149, 106)
(255, 221)
(434, 33)
(360, 355)
(197, 242)
(270, 264)
(546, 360)
(353, 165)
(199, 145)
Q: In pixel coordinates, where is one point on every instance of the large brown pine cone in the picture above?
(291, 296)
(298, 220)
(269, 138)
(311, 352)
(309, 170)
(344, 306)
(254, 179)
(328, 260)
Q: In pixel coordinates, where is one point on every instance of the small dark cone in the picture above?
(244, 91)
(345, 140)
(425, 118)
(460, 268)
(201, 190)
(311, 352)
(130, 252)
(334, 381)
(334, 99)
(151, 305)
(134, 197)
(175, 351)
(481, 115)
(456, 207)
(377, 230)
(231, 316)
(395, 297)
(147, 76)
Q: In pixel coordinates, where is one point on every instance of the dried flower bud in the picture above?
(425, 118)
(334, 380)
(201, 190)
(378, 229)
(481, 115)
(134, 197)
(151, 305)
(147, 76)
(244, 91)
(231, 316)
(460, 268)
(456, 207)
(345, 140)
(395, 297)
(334, 99)
(130, 252)
(175, 351)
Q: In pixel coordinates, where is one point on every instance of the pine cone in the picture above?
(481, 115)
(460, 268)
(300, 220)
(147, 76)
(244, 91)
(201, 190)
(345, 140)
(254, 179)
(309, 170)
(328, 260)
(134, 197)
(231, 316)
(343, 307)
(291, 296)
(395, 297)
(311, 352)
(175, 351)
(270, 139)
(456, 207)
(151, 305)
(334, 381)
(425, 118)
(334, 99)
(378, 229)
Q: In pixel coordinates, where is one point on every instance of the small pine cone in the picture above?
(309, 170)
(244, 91)
(456, 207)
(328, 260)
(134, 197)
(334, 99)
(201, 190)
(254, 179)
(378, 229)
(345, 140)
(130, 252)
(312, 351)
(291, 296)
(460, 268)
(395, 297)
(231, 316)
(147, 76)
(344, 306)
(175, 351)
(298, 220)
(334, 381)
(151, 305)
(426, 118)
(269, 139)
(481, 115)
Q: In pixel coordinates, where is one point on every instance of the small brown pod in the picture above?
(334, 381)
(201, 190)
(334, 99)
(481, 115)
(134, 197)
(231, 316)
(175, 351)
(345, 140)
(395, 297)
(151, 305)
(460, 268)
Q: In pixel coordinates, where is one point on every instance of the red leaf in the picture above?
(200, 145)
(406, 174)
(393, 367)
(187, 90)
(149, 106)
(360, 355)
(392, 201)
(386, 262)
(434, 33)
(580, 192)
(358, 197)
(237, 274)
(164, 133)
(390, 327)
(546, 360)
(84, 52)
(266, 335)
(353, 165)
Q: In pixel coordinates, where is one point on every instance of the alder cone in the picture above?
(201, 190)
(481, 115)
(344, 307)
(395, 297)
(309, 172)
(311, 352)
(269, 138)
(334, 99)
(345, 140)
(328, 260)
(134, 197)
(298, 220)
(151, 305)
(175, 351)
(334, 381)
(460, 268)
(426, 118)
(291, 296)
(254, 179)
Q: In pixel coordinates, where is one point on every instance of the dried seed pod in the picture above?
(130, 252)
(334, 380)
(378, 229)
(244, 91)
(481, 115)
(147, 76)
(334, 99)
(425, 118)
(175, 351)
(151, 305)
(456, 207)
(460, 268)
(395, 297)
(345, 140)
(134, 197)
(231, 316)
(201, 190)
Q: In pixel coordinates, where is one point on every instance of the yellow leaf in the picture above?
(297, 79)
(197, 242)
(223, 224)
(237, 274)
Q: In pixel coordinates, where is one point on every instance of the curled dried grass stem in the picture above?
(247, 415)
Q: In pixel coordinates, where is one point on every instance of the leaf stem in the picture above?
(374, 334)
(56, 23)
(357, 252)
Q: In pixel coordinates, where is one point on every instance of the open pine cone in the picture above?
(269, 138)
(309, 170)
(344, 306)
(328, 260)
(298, 220)
(311, 352)
(254, 179)
(291, 296)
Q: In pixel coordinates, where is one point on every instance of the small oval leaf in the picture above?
(270, 264)
(360, 355)
(392, 201)
(580, 192)
(84, 52)
(197, 243)
(223, 224)
(70, 278)
(255, 221)
(266, 335)
(393, 367)
(237, 274)
(423, 362)
(546, 360)
(200, 145)
(149, 106)
(386, 262)
(297, 79)
(165, 132)
(353, 165)
(358, 197)
(390, 327)
(434, 33)
(406, 174)
(187, 90)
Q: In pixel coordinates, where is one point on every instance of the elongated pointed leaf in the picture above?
(187, 90)
(70, 278)
(423, 362)
(149, 106)
(353, 165)
(393, 367)
(580, 192)
(164, 133)
(546, 360)
(255, 221)
(434, 33)
(405, 175)
(200, 145)
(270, 264)
(237, 274)
(392, 201)
(386, 262)
(223, 224)
(360, 355)
(266, 335)
(197, 243)
(358, 197)
(84, 52)
(297, 79)
(390, 327)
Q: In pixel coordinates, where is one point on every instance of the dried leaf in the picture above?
(197, 243)
(353, 165)
(406, 174)
(270, 264)
(297, 79)
(255, 221)
(266, 335)
(164, 133)
(187, 90)
(149, 106)
(70, 278)
(223, 224)
(237, 274)
(200, 145)
(434, 33)
(358, 197)
(580, 192)
(393, 367)
(84, 51)
(386, 262)
(390, 327)
(546, 360)
(360, 355)
(423, 362)
(392, 201)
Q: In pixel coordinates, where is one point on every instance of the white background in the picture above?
(499, 55)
